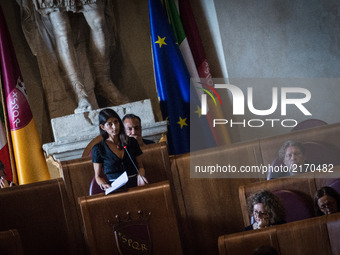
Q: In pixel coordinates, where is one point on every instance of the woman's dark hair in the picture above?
(325, 191)
(104, 115)
(271, 203)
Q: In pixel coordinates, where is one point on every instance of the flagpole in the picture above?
(8, 134)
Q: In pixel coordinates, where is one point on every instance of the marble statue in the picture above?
(80, 52)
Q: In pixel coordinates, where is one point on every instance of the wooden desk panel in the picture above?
(99, 210)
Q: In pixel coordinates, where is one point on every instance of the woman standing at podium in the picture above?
(116, 152)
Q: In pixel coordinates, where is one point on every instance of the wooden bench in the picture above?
(10, 242)
(209, 207)
(246, 242)
(303, 186)
(42, 216)
(138, 220)
(319, 235)
(78, 173)
(156, 162)
(328, 135)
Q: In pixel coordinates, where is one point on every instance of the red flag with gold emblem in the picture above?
(29, 159)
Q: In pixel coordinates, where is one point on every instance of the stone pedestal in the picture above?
(72, 133)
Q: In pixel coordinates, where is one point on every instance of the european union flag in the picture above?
(172, 79)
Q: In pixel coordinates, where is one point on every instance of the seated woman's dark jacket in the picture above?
(250, 227)
(113, 166)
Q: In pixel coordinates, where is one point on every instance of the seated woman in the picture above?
(326, 201)
(111, 156)
(266, 209)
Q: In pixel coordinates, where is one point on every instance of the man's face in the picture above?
(294, 156)
(133, 128)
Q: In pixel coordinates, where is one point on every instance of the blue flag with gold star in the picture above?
(172, 80)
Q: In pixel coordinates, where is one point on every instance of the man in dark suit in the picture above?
(133, 128)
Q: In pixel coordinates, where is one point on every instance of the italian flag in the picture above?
(4, 150)
(181, 38)
(184, 26)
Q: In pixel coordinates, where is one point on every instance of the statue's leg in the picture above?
(68, 59)
(100, 56)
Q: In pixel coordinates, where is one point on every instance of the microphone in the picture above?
(127, 152)
(141, 180)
